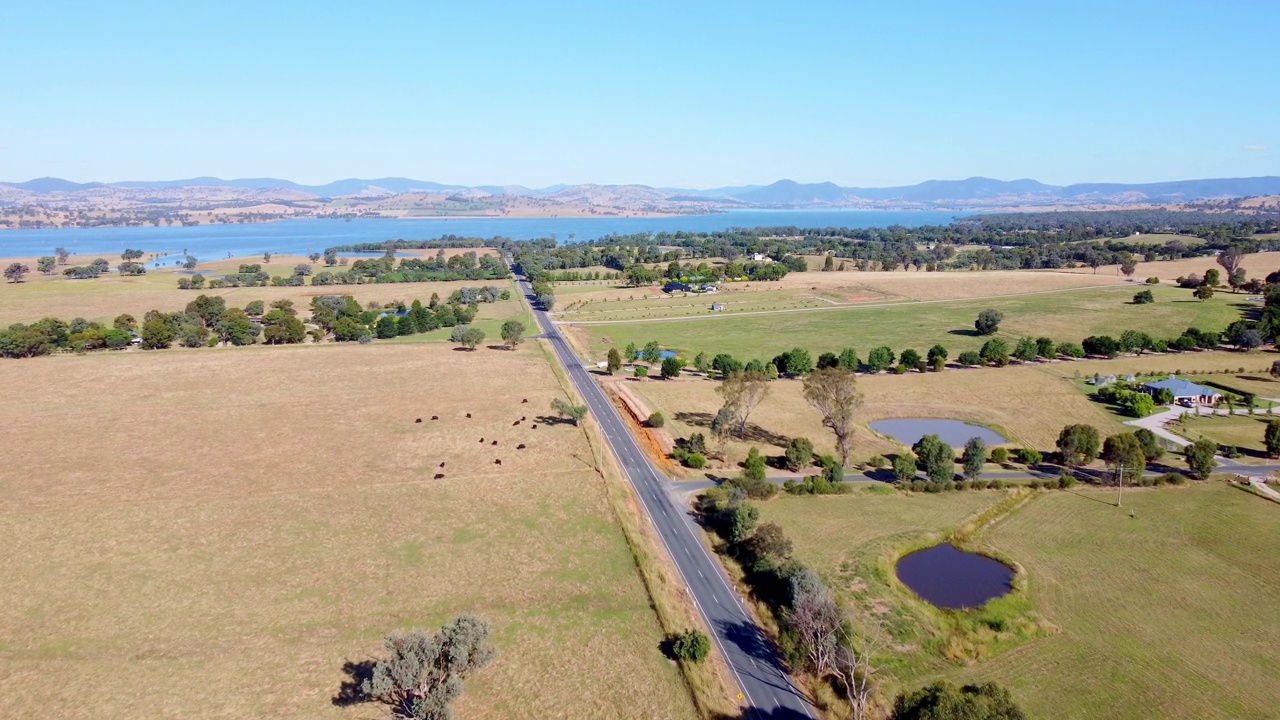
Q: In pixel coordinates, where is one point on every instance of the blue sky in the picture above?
(689, 94)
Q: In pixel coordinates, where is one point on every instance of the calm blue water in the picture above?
(955, 433)
(949, 577)
(302, 237)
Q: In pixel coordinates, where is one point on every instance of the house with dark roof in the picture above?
(677, 287)
(1184, 391)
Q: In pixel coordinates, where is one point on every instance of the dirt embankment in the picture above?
(656, 442)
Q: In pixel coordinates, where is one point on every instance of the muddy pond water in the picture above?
(948, 577)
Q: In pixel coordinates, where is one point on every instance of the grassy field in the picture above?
(1257, 265)
(1069, 315)
(214, 533)
(105, 297)
(1167, 613)
(1241, 431)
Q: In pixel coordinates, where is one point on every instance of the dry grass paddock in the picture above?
(107, 296)
(1257, 265)
(214, 533)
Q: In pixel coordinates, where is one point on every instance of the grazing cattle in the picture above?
(442, 464)
(439, 476)
(524, 400)
(523, 418)
(468, 414)
(497, 462)
(495, 442)
(515, 423)
(535, 426)
(481, 441)
(520, 446)
(417, 421)
(435, 417)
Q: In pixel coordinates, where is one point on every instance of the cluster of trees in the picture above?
(543, 294)
(1128, 454)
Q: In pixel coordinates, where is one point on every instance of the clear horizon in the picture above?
(665, 95)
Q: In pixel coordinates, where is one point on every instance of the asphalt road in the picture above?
(766, 687)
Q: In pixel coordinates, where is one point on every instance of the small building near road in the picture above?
(1184, 391)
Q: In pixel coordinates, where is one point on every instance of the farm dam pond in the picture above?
(947, 577)
(955, 433)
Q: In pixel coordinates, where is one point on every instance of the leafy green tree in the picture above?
(652, 352)
(880, 359)
(798, 362)
(208, 308)
(1212, 278)
(722, 424)
(47, 264)
(1204, 292)
(975, 454)
(828, 264)
(1143, 297)
(701, 362)
(656, 420)
(910, 360)
(904, 467)
(937, 358)
(349, 329)
(740, 521)
(125, 322)
(944, 701)
(768, 545)
(467, 336)
(1151, 447)
(995, 352)
(16, 271)
(799, 454)
(1201, 458)
(1271, 438)
(826, 360)
(387, 327)
(197, 281)
(631, 353)
(936, 458)
(834, 393)
(848, 359)
(613, 361)
(969, 358)
(753, 467)
(512, 333)
(1070, 349)
(671, 367)
(692, 646)
(1078, 444)
(641, 371)
(423, 674)
(235, 328)
(156, 334)
(1026, 350)
(1124, 452)
(575, 413)
(726, 364)
(1045, 348)
(280, 328)
(742, 392)
(988, 322)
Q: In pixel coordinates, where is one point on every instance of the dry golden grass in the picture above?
(214, 533)
(105, 297)
(1029, 405)
(1258, 265)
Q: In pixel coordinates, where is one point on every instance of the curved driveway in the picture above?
(766, 687)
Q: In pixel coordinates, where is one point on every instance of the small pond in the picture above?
(955, 433)
(951, 578)
(666, 354)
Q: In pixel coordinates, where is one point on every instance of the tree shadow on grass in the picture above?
(753, 434)
(349, 693)
(965, 332)
(552, 420)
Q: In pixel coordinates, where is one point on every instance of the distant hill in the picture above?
(974, 192)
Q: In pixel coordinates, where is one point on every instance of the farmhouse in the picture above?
(1184, 390)
(676, 287)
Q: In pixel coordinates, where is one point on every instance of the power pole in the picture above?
(1120, 485)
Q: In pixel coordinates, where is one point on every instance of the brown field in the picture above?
(214, 533)
(1258, 265)
(103, 298)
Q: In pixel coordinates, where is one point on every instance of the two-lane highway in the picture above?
(768, 691)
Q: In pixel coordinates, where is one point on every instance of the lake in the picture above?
(303, 237)
(955, 433)
(948, 577)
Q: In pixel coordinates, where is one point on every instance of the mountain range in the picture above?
(974, 191)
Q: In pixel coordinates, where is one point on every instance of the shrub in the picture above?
(799, 454)
(692, 646)
(695, 461)
(1030, 456)
(878, 461)
(656, 420)
(1143, 298)
(642, 371)
(969, 358)
(1174, 478)
(1034, 484)
(1066, 480)
(1153, 281)
(999, 455)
